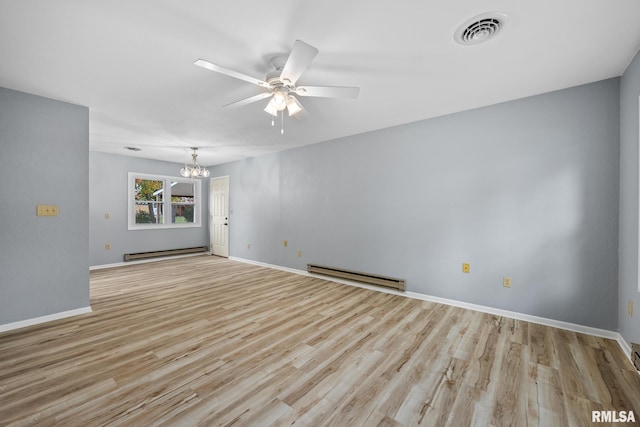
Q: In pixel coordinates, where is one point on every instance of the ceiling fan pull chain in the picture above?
(282, 124)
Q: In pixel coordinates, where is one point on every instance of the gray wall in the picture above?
(628, 288)
(44, 159)
(108, 185)
(526, 189)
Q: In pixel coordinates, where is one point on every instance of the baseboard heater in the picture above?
(167, 252)
(371, 279)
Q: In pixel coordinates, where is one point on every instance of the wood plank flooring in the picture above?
(208, 341)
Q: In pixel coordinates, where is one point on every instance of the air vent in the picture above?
(480, 28)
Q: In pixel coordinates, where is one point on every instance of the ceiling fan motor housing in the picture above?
(278, 62)
(273, 77)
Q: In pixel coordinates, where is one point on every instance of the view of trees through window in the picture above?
(149, 202)
(154, 197)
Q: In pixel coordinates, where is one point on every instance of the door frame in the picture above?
(212, 229)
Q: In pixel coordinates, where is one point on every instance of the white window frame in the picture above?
(167, 180)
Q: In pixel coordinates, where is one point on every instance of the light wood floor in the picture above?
(208, 341)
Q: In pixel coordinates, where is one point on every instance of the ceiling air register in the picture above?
(481, 28)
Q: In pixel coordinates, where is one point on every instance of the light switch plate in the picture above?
(47, 210)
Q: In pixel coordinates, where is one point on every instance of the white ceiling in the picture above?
(131, 63)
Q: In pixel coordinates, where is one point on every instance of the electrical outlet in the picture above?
(506, 282)
(630, 308)
(285, 243)
(299, 252)
(107, 246)
(465, 267)
(106, 215)
(248, 245)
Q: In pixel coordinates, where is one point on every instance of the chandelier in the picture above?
(193, 169)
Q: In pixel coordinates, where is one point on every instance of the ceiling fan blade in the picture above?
(328, 91)
(235, 74)
(298, 61)
(249, 100)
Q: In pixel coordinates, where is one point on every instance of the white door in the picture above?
(219, 215)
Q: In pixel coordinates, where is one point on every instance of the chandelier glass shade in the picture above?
(193, 169)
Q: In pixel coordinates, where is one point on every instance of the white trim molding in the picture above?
(43, 319)
(614, 335)
(144, 261)
(166, 201)
(638, 220)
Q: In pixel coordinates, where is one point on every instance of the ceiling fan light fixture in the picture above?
(271, 109)
(293, 106)
(281, 83)
(279, 100)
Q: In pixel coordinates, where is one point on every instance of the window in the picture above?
(163, 202)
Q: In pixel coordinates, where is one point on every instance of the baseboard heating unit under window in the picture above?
(371, 279)
(167, 252)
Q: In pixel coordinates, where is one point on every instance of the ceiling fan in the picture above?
(280, 84)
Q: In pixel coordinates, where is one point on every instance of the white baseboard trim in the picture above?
(275, 267)
(43, 319)
(143, 261)
(604, 333)
(626, 348)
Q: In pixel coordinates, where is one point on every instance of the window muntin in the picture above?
(153, 197)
